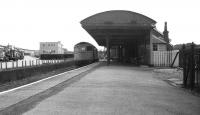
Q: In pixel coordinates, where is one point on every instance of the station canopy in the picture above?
(117, 25)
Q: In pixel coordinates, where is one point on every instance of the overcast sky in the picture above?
(25, 23)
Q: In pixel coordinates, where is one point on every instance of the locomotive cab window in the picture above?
(89, 48)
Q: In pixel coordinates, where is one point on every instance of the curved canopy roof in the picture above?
(83, 43)
(118, 17)
(117, 23)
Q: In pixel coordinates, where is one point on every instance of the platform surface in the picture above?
(111, 90)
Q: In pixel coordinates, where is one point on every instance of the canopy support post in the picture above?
(108, 50)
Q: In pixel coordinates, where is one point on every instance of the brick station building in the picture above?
(129, 34)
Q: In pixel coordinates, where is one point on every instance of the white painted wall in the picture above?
(162, 47)
(51, 48)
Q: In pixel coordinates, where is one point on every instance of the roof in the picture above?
(118, 24)
(81, 43)
(117, 17)
(158, 40)
(157, 31)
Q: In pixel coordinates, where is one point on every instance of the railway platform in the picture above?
(13, 97)
(102, 90)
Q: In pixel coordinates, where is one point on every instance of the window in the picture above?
(89, 48)
(53, 51)
(155, 47)
(43, 45)
(83, 49)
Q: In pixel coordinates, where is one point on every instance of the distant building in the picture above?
(160, 40)
(36, 53)
(51, 48)
(29, 52)
(65, 50)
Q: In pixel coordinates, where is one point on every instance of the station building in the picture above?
(127, 35)
(51, 48)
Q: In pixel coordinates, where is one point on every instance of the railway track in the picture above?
(35, 78)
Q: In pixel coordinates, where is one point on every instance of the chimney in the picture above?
(165, 33)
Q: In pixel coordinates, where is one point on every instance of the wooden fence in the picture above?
(166, 58)
(28, 63)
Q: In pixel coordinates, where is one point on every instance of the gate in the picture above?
(166, 58)
(190, 62)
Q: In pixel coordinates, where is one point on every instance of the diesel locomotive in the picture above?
(85, 53)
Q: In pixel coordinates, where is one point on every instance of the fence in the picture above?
(190, 62)
(28, 63)
(166, 58)
(8, 75)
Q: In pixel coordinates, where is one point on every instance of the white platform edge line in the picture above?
(3, 92)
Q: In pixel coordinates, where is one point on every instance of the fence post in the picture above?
(1, 65)
(22, 63)
(192, 80)
(12, 64)
(6, 66)
(184, 66)
(17, 63)
(25, 63)
(174, 59)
